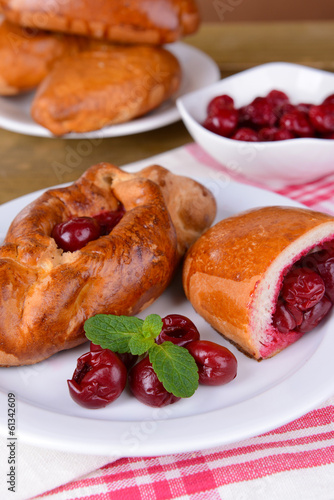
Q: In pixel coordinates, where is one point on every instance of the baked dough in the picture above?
(47, 294)
(104, 85)
(122, 21)
(233, 273)
(26, 56)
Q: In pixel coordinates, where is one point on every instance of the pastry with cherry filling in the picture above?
(263, 278)
(109, 243)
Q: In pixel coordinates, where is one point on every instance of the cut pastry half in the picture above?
(263, 278)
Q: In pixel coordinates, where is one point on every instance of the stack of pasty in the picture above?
(93, 63)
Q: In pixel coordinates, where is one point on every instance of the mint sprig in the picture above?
(112, 332)
(174, 366)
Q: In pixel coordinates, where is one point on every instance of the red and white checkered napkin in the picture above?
(318, 194)
(295, 461)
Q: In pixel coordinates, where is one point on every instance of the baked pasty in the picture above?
(47, 294)
(26, 56)
(263, 278)
(122, 21)
(105, 85)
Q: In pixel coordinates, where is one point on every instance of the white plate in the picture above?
(263, 396)
(198, 70)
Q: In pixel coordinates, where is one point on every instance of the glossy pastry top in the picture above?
(150, 21)
(46, 294)
(243, 246)
(105, 84)
(26, 56)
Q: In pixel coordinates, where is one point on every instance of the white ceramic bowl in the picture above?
(294, 160)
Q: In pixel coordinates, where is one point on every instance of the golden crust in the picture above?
(122, 21)
(26, 56)
(46, 294)
(105, 85)
(224, 270)
(190, 204)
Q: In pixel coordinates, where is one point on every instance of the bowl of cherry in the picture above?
(271, 122)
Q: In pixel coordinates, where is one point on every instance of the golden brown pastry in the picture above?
(190, 204)
(46, 294)
(26, 56)
(122, 21)
(105, 85)
(233, 276)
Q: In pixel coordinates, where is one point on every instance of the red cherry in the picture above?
(329, 99)
(313, 316)
(267, 133)
(298, 123)
(275, 134)
(283, 320)
(283, 134)
(109, 219)
(177, 329)
(75, 233)
(259, 113)
(127, 358)
(218, 103)
(322, 118)
(216, 364)
(223, 123)
(302, 288)
(99, 379)
(284, 108)
(304, 107)
(323, 263)
(277, 98)
(146, 387)
(245, 134)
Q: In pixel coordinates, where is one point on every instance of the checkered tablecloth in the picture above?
(295, 461)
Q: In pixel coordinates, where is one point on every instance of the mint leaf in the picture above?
(142, 341)
(152, 326)
(175, 368)
(112, 332)
(138, 344)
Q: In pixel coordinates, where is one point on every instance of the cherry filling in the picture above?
(270, 118)
(76, 232)
(307, 293)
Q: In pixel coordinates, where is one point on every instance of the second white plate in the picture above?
(264, 395)
(198, 71)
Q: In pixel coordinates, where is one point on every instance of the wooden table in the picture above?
(31, 163)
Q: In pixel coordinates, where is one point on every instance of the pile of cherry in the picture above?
(270, 118)
(101, 375)
(307, 293)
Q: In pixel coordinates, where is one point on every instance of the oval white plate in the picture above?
(263, 396)
(198, 70)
